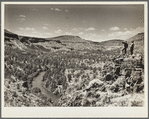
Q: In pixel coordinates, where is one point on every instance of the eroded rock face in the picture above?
(136, 75)
(128, 73)
(136, 60)
(25, 84)
(119, 60)
(108, 77)
(95, 83)
(118, 79)
(117, 71)
(118, 85)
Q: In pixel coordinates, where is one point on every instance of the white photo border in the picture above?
(56, 112)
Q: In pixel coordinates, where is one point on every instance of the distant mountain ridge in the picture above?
(6, 31)
(64, 42)
(68, 43)
(9, 35)
(68, 39)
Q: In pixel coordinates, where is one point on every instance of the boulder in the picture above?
(14, 94)
(25, 85)
(18, 86)
(108, 77)
(137, 60)
(56, 92)
(13, 78)
(85, 102)
(118, 84)
(104, 72)
(140, 87)
(117, 71)
(137, 76)
(129, 59)
(129, 80)
(128, 73)
(95, 83)
(119, 60)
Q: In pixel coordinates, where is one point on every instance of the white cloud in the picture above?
(32, 29)
(48, 33)
(77, 29)
(125, 34)
(93, 37)
(81, 33)
(68, 33)
(125, 29)
(137, 30)
(27, 28)
(58, 31)
(90, 29)
(45, 28)
(22, 16)
(120, 33)
(35, 32)
(17, 32)
(114, 28)
(57, 9)
(74, 29)
(21, 28)
(66, 10)
(20, 19)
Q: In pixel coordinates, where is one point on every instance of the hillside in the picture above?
(25, 43)
(137, 37)
(69, 42)
(68, 39)
(65, 42)
(138, 43)
(9, 35)
(75, 42)
(111, 44)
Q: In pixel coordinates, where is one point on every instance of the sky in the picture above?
(91, 22)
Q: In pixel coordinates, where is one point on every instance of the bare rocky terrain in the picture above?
(77, 72)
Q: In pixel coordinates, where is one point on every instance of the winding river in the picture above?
(37, 82)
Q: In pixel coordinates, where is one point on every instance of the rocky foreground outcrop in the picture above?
(122, 85)
(16, 94)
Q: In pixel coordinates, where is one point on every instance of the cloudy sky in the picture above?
(91, 22)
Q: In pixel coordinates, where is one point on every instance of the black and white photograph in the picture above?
(71, 55)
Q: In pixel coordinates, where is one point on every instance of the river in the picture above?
(37, 82)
